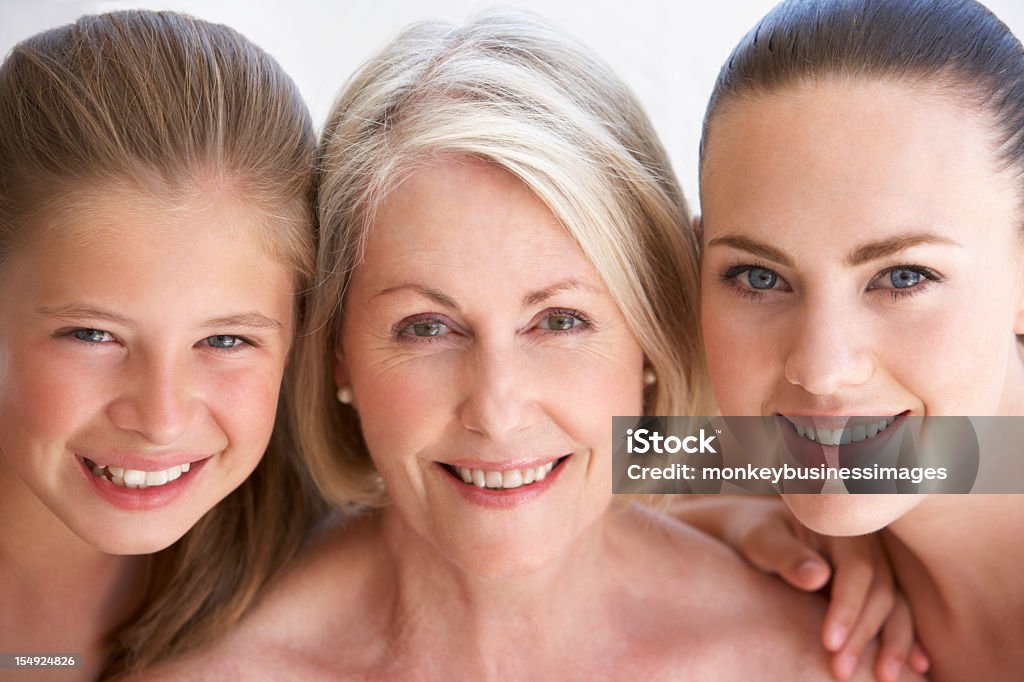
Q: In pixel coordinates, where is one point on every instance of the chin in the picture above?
(129, 540)
(844, 515)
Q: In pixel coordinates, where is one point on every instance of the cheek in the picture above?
(46, 396)
(403, 407)
(742, 358)
(243, 402)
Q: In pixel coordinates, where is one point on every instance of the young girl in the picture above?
(154, 226)
(861, 195)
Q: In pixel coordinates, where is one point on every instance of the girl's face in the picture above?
(141, 350)
(486, 358)
(861, 257)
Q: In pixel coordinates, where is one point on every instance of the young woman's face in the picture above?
(486, 358)
(861, 256)
(141, 350)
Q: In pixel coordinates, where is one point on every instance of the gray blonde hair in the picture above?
(511, 90)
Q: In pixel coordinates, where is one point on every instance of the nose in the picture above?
(829, 350)
(154, 400)
(496, 394)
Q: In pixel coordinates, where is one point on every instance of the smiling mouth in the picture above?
(135, 478)
(503, 480)
(848, 434)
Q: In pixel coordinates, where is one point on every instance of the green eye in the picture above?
(429, 329)
(560, 322)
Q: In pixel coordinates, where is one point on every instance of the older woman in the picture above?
(861, 189)
(502, 270)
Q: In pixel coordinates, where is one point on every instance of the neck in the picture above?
(490, 623)
(958, 558)
(60, 594)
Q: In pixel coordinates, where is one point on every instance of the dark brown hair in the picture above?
(957, 45)
(164, 103)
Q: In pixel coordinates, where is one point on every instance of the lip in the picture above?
(495, 498)
(859, 453)
(142, 499)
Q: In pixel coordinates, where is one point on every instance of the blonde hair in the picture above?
(513, 91)
(163, 103)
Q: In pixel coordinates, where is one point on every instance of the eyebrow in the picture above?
(893, 245)
(252, 320)
(75, 311)
(754, 247)
(532, 298)
(858, 256)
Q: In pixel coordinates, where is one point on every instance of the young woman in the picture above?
(862, 200)
(502, 269)
(154, 226)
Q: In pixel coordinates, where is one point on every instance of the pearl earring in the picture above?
(650, 378)
(345, 395)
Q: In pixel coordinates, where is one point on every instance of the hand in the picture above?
(865, 602)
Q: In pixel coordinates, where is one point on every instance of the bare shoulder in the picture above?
(284, 636)
(717, 615)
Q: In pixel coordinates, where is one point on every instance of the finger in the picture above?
(897, 640)
(877, 608)
(774, 549)
(850, 590)
(918, 660)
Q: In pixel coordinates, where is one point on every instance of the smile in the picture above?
(503, 480)
(135, 478)
(848, 434)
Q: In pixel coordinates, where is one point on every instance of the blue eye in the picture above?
(903, 278)
(91, 335)
(762, 278)
(561, 322)
(751, 280)
(224, 341)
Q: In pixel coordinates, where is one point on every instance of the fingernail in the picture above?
(837, 638)
(809, 569)
(846, 666)
(891, 670)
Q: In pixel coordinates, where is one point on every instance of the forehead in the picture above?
(460, 215)
(848, 153)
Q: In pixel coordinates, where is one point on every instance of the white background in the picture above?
(669, 52)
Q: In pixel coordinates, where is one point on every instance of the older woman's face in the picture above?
(487, 359)
(860, 258)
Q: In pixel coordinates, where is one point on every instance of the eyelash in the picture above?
(402, 331)
(70, 334)
(929, 277)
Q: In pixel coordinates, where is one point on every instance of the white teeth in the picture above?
(185, 466)
(511, 478)
(135, 478)
(843, 436)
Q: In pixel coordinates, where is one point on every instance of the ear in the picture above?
(698, 233)
(1018, 322)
